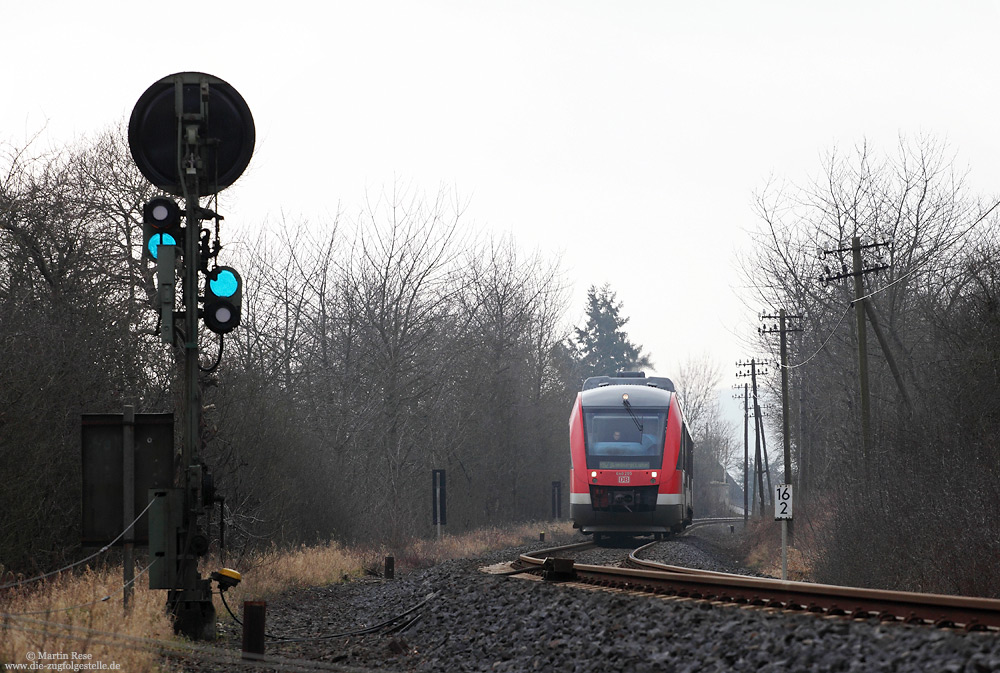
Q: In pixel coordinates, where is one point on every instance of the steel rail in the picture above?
(539, 554)
(914, 608)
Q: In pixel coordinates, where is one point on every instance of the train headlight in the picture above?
(593, 475)
(653, 475)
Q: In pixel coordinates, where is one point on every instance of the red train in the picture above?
(631, 457)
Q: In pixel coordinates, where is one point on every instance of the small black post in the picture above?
(222, 528)
(541, 536)
(439, 498)
(557, 500)
(390, 567)
(253, 628)
(128, 502)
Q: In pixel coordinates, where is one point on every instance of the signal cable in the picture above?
(359, 632)
(83, 605)
(211, 369)
(73, 565)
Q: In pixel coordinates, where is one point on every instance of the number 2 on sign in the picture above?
(782, 501)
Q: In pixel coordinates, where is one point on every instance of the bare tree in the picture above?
(918, 218)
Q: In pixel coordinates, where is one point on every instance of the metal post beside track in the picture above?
(784, 549)
(783, 511)
(128, 501)
(254, 613)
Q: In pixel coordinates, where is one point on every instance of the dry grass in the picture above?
(271, 572)
(424, 553)
(107, 635)
(276, 571)
(98, 626)
(764, 550)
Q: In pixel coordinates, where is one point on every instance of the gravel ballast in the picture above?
(481, 622)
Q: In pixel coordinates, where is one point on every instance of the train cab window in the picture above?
(615, 441)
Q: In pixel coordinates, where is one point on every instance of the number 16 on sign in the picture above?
(782, 501)
(783, 512)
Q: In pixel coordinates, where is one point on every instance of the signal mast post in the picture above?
(193, 608)
(191, 135)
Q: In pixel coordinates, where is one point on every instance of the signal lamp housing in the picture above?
(161, 225)
(223, 299)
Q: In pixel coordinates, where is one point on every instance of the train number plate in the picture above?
(624, 477)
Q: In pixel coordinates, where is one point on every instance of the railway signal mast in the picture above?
(191, 135)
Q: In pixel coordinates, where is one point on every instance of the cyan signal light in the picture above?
(223, 299)
(156, 240)
(224, 284)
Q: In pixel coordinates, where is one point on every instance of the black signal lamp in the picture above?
(162, 213)
(161, 225)
(223, 299)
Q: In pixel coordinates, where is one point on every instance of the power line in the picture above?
(825, 341)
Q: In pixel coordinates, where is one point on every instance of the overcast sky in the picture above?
(628, 138)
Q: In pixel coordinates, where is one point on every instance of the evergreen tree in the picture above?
(602, 346)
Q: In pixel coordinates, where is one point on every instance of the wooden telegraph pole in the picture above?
(782, 330)
(761, 461)
(859, 314)
(746, 447)
(857, 272)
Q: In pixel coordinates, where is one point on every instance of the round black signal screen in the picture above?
(227, 133)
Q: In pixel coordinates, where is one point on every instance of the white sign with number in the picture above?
(782, 501)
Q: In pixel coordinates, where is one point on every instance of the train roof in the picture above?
(602, 391)
(630, 379)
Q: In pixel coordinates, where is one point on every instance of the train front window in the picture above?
(615, 442)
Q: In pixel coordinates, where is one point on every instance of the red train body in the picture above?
(631, 457)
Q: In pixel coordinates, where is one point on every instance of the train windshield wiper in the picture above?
(628, 408)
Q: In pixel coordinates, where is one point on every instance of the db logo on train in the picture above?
(624, 477)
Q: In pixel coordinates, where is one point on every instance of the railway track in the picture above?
(642, 575)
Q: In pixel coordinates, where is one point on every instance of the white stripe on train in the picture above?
(661, 499)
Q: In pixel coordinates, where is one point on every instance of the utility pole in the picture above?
(758, 473)
(782, 330)
(760, 465)
(746, 447)
(763, 437)
(804, 466)
(857, 271)
(893, 367)
(859, 314)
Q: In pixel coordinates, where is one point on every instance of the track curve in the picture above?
(651, 576)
